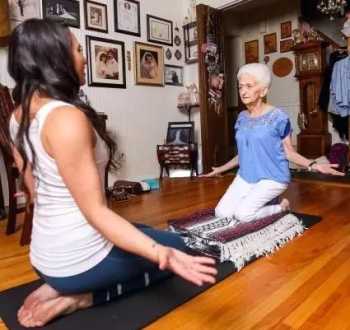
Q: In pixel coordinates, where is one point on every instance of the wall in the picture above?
(138, 115)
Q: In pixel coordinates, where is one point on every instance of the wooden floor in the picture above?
(305, 285)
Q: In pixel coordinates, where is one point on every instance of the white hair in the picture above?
(259, 71)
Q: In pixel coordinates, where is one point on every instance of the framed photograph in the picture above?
(127, 17)
(159, 30)
(270, 43)
(190, 42)
(67, 11)
(286, 45)
(96, 16)
(106, 62)
(149, 64)
(173, 75)
(20, 11)
(286, 30)
(180, 132)
(251, 51)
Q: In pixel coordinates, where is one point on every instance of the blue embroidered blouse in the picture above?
(260, 149)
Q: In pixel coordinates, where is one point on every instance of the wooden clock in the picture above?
(314, 140)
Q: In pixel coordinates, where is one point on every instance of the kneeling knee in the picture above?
(244, 215)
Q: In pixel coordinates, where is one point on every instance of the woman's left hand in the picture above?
(195, 269)
(327, 169)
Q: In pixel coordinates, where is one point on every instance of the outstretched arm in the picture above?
(300, 160)
(223, 168)
(68, 137)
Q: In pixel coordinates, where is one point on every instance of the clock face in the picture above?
(309, 62)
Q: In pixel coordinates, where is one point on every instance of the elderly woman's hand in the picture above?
(327, 169)
(215, 172)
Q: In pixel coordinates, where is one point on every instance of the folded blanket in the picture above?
(228, 239)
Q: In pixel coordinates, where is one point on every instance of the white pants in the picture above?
(247, 201)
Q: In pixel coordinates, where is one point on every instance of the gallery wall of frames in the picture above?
(157, 62)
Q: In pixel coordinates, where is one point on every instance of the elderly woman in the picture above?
(263, 134)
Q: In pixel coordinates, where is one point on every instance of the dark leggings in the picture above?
(119, 273)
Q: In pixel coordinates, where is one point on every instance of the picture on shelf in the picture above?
(149, 64)
(173, 75)
(106, 61)
(66, 11)
(127, 17)
(180, 133)
(96, 16)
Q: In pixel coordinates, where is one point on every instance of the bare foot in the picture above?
(285, 205)
(45, 311)
(44, 292)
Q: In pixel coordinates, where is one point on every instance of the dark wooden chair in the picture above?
(180, 151)
(177, 156)
(12, 173)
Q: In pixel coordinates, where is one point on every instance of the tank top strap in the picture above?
(45, 110)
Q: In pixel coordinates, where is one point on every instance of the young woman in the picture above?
(85, 253)
(263, 135)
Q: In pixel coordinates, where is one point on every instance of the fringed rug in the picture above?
(227, 239)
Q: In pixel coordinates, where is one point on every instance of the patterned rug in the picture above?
(227, 239)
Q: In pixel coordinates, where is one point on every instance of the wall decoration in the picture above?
(251, 49)
(177, 40)
(19, 11)
(270, 43)
(173, 75)
(159, 30)
(168, 54)
(266, 59)
(282, 67)
(106, 62)
(190, 42)
(96, 16)
(149, 64)
(286, 45)
(66, 11)
(128, 59)
(178, 55)
(127, 17)
(286, 30)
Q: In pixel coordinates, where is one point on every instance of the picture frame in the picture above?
(270, 43)
(286, 45)
(96, 18)
(180, 132)
(106, 62)
(19, 11)
(127, 17)
(149, 64)
(66, 11)
(173, 75)
(251, 51)
(190, 42)
(286, 29)
(159, 30)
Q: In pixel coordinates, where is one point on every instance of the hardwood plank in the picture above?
(305, 285)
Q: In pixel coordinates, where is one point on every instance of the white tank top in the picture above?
(63, 242)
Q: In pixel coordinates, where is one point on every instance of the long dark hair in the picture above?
(40, 59)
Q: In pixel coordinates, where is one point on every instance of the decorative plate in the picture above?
(168, 54)
(177, 41)
(178, 55)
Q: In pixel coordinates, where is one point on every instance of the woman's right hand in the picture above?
(215, 172)
(198, 270)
